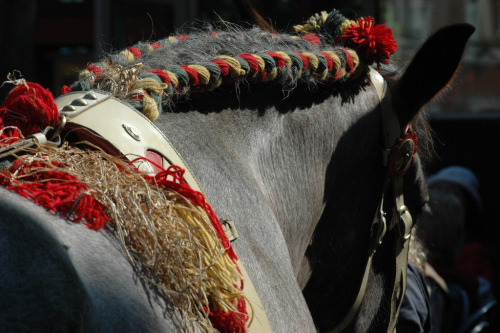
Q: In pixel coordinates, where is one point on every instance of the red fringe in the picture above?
(30, 108)
(229, 322)
(173, 178)
(56, 191)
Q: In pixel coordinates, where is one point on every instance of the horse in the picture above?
(299, 168)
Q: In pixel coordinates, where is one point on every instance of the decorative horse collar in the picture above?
(118, 129)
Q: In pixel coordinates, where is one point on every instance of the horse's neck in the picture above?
(283, 156)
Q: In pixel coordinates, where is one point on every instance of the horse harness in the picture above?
(399, 149)
(125, 132)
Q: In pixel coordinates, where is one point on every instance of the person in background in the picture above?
(446, 230)
(464, 185)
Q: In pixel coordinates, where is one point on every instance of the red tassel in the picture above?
(55, 190)
(173, 177)
(230, 322)
(28, 107)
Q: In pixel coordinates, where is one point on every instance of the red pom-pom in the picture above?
(65, 90)
(29, 109)
(374, 43)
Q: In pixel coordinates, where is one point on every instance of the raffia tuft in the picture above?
(170, 242)
(120, 81)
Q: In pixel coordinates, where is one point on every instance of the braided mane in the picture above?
(328, 48)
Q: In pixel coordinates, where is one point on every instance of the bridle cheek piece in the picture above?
(401, 157)
(401, 147)
(403, 152)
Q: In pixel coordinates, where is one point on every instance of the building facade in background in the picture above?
(477, 88)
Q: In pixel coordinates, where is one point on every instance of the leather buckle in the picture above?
(403, 153)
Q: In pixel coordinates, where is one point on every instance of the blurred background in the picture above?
(48, 41)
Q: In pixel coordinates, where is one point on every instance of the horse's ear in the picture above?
(431, 69)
